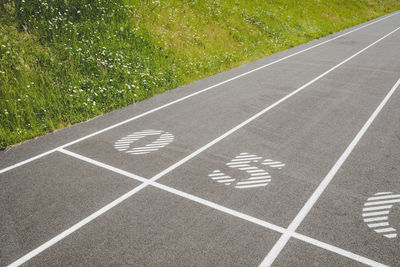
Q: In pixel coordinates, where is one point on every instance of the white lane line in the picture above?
(269, 259)
(145, 183)
(337, 250)
(207, 203)
(234, 129)
(243, 216)
(191, 95)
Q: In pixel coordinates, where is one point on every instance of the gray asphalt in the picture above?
(113, 216)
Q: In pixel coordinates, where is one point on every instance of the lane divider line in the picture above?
(269, 259)
(145, 183)
(234, 129)
(191, 95)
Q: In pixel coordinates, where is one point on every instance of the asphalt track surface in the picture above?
(291, 160)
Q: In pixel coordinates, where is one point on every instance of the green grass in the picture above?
(65, 61)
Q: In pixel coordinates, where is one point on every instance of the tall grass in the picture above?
(65, 61)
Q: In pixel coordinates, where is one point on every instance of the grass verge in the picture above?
(65, 61)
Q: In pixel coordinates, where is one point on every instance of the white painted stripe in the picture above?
(250, 186)
(150, 131)
(259, 177)
(241, 165)
(378, 208)
(383, 197)
(277, 165)
(216, 174)
(254, 182)
(132, 137)
(188, 96)
(142, 149)
(382, 202)
(120, 141)
(255, 171)
(383, 193)
(140, 153)
(373, 225)
(237, 163)
(375, 213)
(374, 219)
(119, 145)
(123, 142)
(385, 230)
(277, 248)
(250, 158)
(143, 134)
(234, 213)
(390, 235)
(270, 163)
(247, 168)
(221, 177)
(261, 173)
(226, 180)
(154, 145)
(247, 157)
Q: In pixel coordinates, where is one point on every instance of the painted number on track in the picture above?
(125, 143)
(256, 177)
(376, 213)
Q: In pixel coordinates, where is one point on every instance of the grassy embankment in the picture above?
(65, 61)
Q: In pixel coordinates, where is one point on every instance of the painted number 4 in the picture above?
(256, 177)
